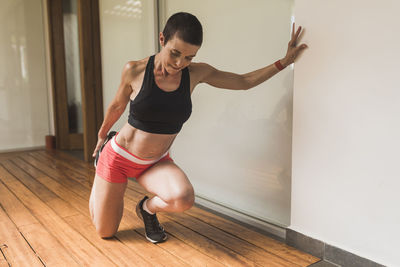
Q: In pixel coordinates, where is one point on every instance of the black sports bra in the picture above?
(156, 111)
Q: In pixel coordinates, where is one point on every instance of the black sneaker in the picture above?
(154, 231)
(108, 138)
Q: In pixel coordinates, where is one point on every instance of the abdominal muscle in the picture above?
(143, 144)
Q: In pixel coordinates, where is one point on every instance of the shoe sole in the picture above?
(154, 241)
(141, 218)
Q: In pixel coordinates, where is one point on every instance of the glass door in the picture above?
(76, 73)
(72, 66)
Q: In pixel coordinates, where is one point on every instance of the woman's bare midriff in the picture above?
(143, 144)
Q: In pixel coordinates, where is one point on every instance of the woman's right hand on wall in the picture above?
(294, 49)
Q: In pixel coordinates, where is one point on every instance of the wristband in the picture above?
(279, 65)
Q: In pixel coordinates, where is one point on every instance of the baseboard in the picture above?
(326, 252)
(266, 228)
(22, 149)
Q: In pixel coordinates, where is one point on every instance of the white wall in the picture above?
(236, 147)
(346, 127)
(127, 33)
(24, 115)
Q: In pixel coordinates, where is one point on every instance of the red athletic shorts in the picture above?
(116, 163)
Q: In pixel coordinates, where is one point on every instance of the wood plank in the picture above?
(67, 157)
(258, 239)
(113, 248)
(44, 194)
(174, 246)
(50, 250)
(130, 236)
(125, 234)
(138, 243)
(23, 176)
(88, 231)
(17, 250)
(13, 154)
(4, 255)
(13, 207)
(188, 254)
(180, 248)
(78, 169)
(117, 251)
(120, 254)
(62, 191)
(240, 246)
(68, 162)
(191, 255)
(261, 241)
(84, 252)
(57, 165)
(84, 168)
(3, 261)
(269, 244)
(63, 167)
(201, 242)
(58, 175)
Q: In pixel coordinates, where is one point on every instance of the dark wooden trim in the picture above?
(98, 81)
(91, 78)
(75, 141)
(90, 57)
(58, 72)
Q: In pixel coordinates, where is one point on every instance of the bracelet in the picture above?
(279, 65)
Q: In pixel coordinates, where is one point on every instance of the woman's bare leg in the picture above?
(173, 190)
(106, 206)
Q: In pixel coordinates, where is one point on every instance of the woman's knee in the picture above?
(184, 199)
(105, 230)
(106, 233)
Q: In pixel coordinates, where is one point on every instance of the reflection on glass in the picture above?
(129, 9)
(127, 33)
(71, 44)
(23, 87)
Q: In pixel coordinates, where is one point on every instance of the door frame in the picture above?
(90, 74)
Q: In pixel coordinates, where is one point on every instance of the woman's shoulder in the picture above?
(199, 67)
(135, 67)
(198, 70)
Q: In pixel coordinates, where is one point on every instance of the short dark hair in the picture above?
(186, 26)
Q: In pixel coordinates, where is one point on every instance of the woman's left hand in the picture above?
(294, 50)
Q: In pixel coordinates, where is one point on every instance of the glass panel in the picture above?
(127, 33)
(71, 44)
(243, 137)
(24, 112)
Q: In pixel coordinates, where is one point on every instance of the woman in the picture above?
(159, 89)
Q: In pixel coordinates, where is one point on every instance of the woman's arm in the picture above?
(233, 81)
(117, 105)
(229, 80)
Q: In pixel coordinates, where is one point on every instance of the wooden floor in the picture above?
(44, 220)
